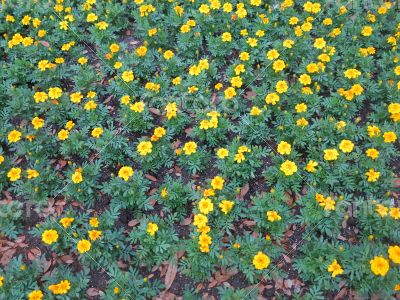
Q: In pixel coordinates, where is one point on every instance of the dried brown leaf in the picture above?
(170, 275)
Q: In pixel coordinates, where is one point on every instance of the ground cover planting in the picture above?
(199, 149)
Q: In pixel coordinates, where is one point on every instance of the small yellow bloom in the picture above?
(49, 236)
(261, 261)
(125, 173)
(152, 228)
(83, 246)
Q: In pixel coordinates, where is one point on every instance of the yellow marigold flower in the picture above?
(261, 261)
(319, 43)
(137, 106)
(222, 153)
(255, 111)
(50, 236)
(305, 79)
(288, 167)
(114, 48)
(335, 268)
(284, 148)
(152, 228)
(226, 37)
(373, 131)
(82, 60)
(159, 132)
(37, 122)
(372, 153)
(302, 122)
(227, 7)
(328, 204)
(327, 21)
(14, 174)
(171, 110)
(91, 18)
(66, 222)
(217, 183)
(63, 25)
(69, 125)
(26, 20)
(293, 21)
(102, 25)
(352, 73)
(301, 107)
(244, 56)
(35, 295)
(83, 246)
(381, 210)
(395, 213)
(118, 65)
(281, 86)
(236, 81)
(43, 65)
(10, 18)
(236, 245)
(389, 137)
(205, 206)
(272, 54)
(218, 86)
(367, 31)
(32, 173)
(394, 108)
(372, 175)
(253, 42)
(357, 89)
(144, 148)
(40, 97)
(14, 136)
(90, 105)
(128, 76)
(61, 288)
(278, 65)
(164, 192)
(311, 166)
(125, 173)
(168, 54)
(239, 157)
(200, 220)
(77, 176)
(94, 234)
(272, 98)
(229, 93)
(190, 148)
(97, 132)
(141, 51)
(76, 97)
(288, 43)
(273, 216)
(306, 26)
(346, 146)
(394, 254)
(94, 222)
(185, 28)
(331, 154)
(55, 93)
(226, 206)
(379, 265)
(312, 68)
